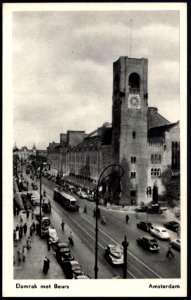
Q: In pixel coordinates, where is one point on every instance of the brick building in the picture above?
(139, 139)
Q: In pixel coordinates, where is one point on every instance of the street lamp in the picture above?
(97, 194)
(40, 198)
(125, 245)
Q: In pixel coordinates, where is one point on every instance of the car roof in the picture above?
(63, 244)
(159, 228)
(147, 237)
(74, 262)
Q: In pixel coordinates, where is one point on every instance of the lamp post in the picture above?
(100, 180)
(125, 245)
(40, 223)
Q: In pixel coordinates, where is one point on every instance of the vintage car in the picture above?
(148, 243)
(72, 269)
(62, 253)
(160, 232)
(146, 226)
(176, 244)
(114, 255)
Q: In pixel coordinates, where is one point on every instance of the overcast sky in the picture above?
(63, 62)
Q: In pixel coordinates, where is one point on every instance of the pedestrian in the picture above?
(46, 265)
(17, 235)
(37, 228)
(94, 212)
(29, 243)
(62, 225)
(19, 254)
(127, 218)
(21, 219)
(13, 259)
(20, 234)
(17, 228)
(136, 215)
(17, 211)
(169, 252)
(33, 226)
(23, 254)
(85, 210)
(21, 229)
(28, 213)
(14, 211)
(31, 230)
(14, 235)
(25, 228)
(32, 214)
(48, 244)
(103, 221)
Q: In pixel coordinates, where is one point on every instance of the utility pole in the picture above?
(125, 245)
(40, 198)
(96, 235)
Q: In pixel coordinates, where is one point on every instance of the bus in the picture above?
(66, 200)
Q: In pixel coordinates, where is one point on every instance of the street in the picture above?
(140, 263)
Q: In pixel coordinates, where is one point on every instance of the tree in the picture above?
(172, 187)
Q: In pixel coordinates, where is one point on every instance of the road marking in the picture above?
(127, 251)
(110, 239)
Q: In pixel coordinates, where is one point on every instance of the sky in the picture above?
(63, 68)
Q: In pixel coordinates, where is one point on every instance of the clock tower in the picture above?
(129, 126)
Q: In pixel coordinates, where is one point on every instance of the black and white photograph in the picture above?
(94, 149)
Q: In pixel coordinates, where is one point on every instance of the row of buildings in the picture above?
(139, 141)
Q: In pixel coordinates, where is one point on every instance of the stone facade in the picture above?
(139, 139)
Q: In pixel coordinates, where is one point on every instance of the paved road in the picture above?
(141, 264)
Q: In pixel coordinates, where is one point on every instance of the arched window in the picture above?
(134, 83)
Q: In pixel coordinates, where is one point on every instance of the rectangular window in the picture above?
(155, 172)
(133, 159)
(155, 158)
(133, 193)
(176, 155)
(133, 174)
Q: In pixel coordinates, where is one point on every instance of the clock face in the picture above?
(134, 101)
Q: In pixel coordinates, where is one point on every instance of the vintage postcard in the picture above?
(94, 148)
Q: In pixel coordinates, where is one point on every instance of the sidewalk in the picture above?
(32, 267)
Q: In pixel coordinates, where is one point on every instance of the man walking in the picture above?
(62, 225)
(85, 210)
(46, 265)
(169, 252)
(127, 219)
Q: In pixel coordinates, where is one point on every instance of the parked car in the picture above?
(82, 194)
(37, 213)
(148, 243)
(45, 224)
(176, 244)
(62, 253)
(52, 235)
(46, 206)
(34, 186)
(146, 226)
(172, 225)
(142, 208)
(159, 232)
(91, 197)
(72, 269)
(114, 255)
(154, 208)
